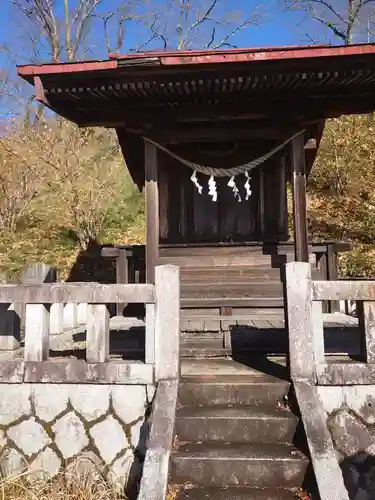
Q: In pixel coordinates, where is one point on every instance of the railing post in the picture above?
(37, 274)
(167, 322)
(56, 319)
(37, 328)
(369, 330)
(82, 313)
(97, 350)
(70, 316)
(121, 276)
(300, 322)
(37, 316)
(150, 334)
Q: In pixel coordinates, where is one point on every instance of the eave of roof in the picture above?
(130, 84)
(204, 57)
(86, 91)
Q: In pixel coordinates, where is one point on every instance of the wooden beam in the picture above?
(332, 264)
(299, 199)
(152, 210)
(208, 134)
(121, 276)
(300, 109)
(262, 203)
(283, 217)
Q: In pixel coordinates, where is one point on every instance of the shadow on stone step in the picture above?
(337, 340)
(359, 475)
(260, 362)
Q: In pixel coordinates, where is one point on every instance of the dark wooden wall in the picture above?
(188, 217)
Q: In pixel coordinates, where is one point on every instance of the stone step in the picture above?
(225, 249)
(239, 424)
(205, 353)
(200, 348)
(248, 302)
(242, 313)
(232, 390)
(225, 274)
(263, 465)
(236, 260)
(248, 289)
(234, 493)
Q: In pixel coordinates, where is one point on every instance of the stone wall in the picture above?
(350, 412)
(51, 427)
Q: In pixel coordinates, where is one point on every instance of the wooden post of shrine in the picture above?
(299, 199)
(152, 211)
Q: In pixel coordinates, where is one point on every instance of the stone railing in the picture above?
(70, 317)
(306, 334)
(336, 397)
(40, 307)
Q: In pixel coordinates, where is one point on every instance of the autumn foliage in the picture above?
(341, 191)
(62, 187)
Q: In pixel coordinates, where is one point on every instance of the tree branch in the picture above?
(204, 17)
(329, 6)
(329, 25)
(224, 42)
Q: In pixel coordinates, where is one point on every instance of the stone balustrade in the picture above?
(336, 397)
(81, 416)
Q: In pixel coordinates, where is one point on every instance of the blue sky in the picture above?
(276, 28)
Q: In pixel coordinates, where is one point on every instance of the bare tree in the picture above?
(188, 24)
(63, 36)
(114, 23)
(66, 30)
(12, 97)
(347, 20)
(20, 180)
(3, 84)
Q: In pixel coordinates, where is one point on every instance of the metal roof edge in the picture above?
(181, 58)
(247, 54)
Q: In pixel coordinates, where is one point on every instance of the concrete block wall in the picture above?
(350, 413)
(51, 427)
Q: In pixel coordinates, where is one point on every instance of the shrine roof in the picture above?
(332, 80)
(255, 96)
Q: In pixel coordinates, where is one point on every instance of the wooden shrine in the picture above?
(214, 139)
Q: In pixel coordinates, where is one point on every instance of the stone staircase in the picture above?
(234, 440)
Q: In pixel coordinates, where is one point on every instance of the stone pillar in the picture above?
(35, 274)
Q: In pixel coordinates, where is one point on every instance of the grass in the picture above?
(26, 487)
